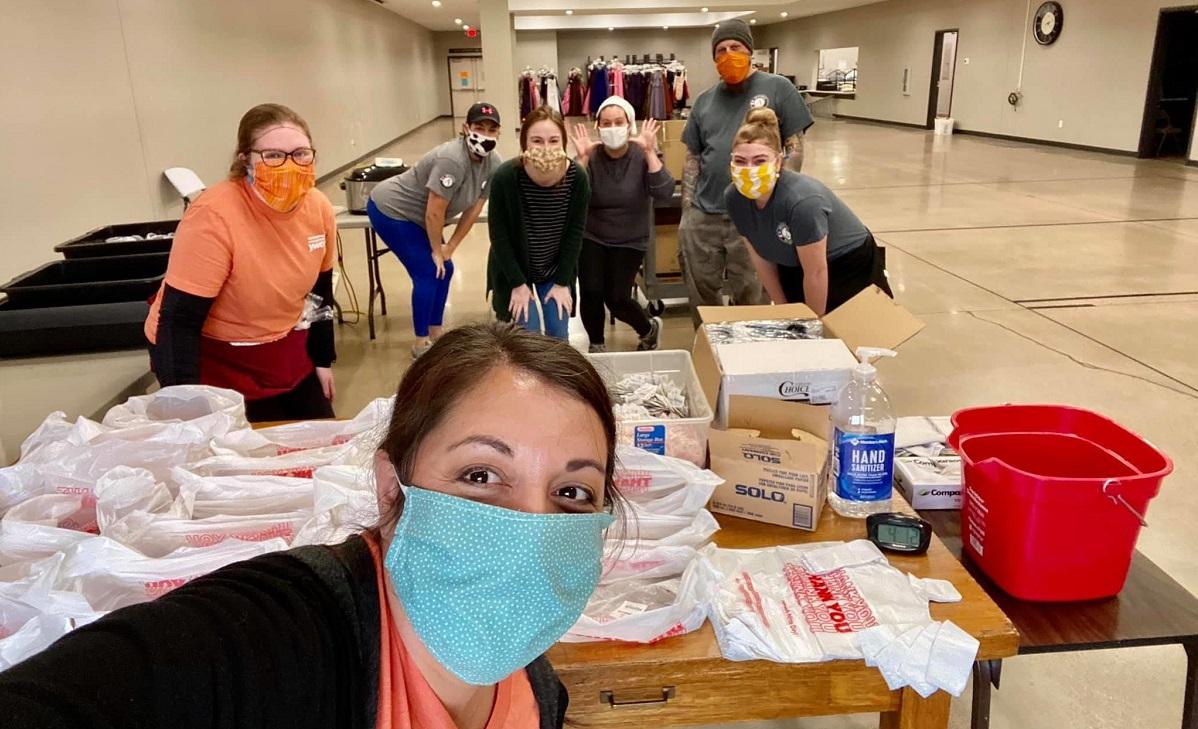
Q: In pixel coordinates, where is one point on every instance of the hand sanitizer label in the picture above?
(864, 465)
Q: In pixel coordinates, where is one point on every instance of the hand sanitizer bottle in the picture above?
(862, 474)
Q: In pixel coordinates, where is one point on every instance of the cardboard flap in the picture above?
(872, 319)
(712, 314)
(777, 418)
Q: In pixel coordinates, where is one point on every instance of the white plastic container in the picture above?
(944, 125)
(684, 438)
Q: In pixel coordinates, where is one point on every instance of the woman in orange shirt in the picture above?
(489, 545)
(246, 256)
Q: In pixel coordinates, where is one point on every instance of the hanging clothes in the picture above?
(552, 98)
(617, 80)
(599, 89)
(657, 97)
(572, 99)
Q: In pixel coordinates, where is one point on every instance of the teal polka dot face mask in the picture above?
(489, 589)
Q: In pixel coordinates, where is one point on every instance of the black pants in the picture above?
(305, 402)
(848, 275)
(606, 275)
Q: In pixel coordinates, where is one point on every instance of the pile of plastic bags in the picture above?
(642, 596)
(96, 516)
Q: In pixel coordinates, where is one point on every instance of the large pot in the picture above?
(361, 180)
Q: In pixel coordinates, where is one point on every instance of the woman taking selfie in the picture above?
(488, 548)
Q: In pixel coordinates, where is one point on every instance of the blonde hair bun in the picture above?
(764, 116)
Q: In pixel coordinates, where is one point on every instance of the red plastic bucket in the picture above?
(1053, 498)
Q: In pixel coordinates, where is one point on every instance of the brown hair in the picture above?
(760, 127)
(253, 123)
(459, 361)
(540, 114)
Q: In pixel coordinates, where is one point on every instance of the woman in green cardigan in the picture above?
(537, 215)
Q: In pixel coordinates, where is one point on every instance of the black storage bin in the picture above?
(83, 281)
(93, 242)
(36, 332)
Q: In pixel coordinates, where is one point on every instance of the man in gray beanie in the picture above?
(710, 249)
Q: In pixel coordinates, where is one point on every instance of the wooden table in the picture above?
(685, 681)
(1152, 609)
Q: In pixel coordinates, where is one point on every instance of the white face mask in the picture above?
(479, 144)
(614, 137)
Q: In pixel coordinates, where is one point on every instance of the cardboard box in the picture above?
(871, 318)
(774, 471)
(665, 249)
(671, 130)
(674, 157)
(931, 482)
(804, 370)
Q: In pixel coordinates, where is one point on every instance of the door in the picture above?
(944, 70)
(1169, 108)
(465, 83)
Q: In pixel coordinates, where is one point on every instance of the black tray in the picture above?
(35, 332)
(92, 243)
(83, 281)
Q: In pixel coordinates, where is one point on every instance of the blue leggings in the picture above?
(410, 243)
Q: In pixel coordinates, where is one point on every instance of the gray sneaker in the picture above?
(597, 349)
(418, 350)
(649, 341)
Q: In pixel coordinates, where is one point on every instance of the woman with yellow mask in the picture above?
(806, 245)
(234, 308)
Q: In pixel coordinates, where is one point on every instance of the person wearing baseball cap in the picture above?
(409, 212)
(710, 249)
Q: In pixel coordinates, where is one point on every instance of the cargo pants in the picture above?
(714, 258)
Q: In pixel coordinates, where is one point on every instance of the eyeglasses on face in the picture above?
(303, 156)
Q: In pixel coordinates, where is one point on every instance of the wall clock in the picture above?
(1050, 18)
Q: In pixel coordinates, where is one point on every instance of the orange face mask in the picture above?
(734, 66)
(282, 187)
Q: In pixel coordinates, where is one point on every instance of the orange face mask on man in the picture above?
(734, 66)
(282, 187)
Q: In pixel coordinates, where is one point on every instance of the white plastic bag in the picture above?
(659, 551)
(208, 407)
(663, 485)
(111, 576)
(124, 490)
(200, 497)
(19, 483)
(764, 603)
(641, 611)
(345, 504)
(157, 535)
(298, 464)
(283, 439)
(46, 525)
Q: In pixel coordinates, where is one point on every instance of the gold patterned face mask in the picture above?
(755, 182)
(545, 159)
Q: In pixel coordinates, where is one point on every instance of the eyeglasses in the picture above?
(303, 156)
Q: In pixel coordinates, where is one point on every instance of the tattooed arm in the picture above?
(690, 176)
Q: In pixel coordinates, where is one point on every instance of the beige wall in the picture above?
(536, 48)
(1093, 79)
(692, 46)
(96, 108)
(442, 42)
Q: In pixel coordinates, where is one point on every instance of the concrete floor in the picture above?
(1043, 275)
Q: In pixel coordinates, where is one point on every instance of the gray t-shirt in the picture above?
(719, 112)
(449, 171)
(801, 211)
(621, 192)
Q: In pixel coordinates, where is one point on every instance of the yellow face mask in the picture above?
(755, 182)
(282, 187)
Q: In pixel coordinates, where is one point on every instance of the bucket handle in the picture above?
(1110, 490)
